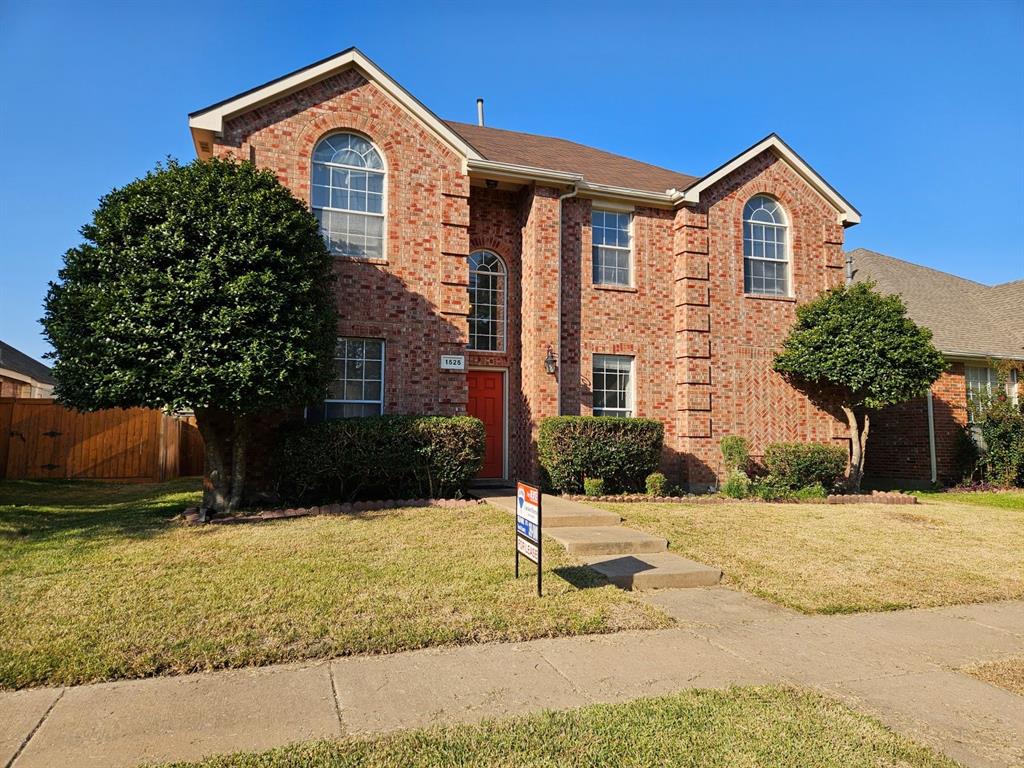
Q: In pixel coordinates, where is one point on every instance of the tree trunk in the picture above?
(858, 448)
(217, 491)
(239, 453)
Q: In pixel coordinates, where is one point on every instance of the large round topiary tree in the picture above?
(855, 348)
(204, 286)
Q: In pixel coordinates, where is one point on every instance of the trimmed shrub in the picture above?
(810, 493)
(736, 486)
(622, 451)
(735, 452)
(797, 465)
(593, 486)
(770, 488)
(657, 484)
(391, 457)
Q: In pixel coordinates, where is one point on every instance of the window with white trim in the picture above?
(983, 381)
(765, 248)
(358, 389)
(347, 195)
(611, 247)
(487, 302)
(613, 385)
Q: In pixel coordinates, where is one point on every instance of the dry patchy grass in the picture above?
(97, 582)
(820, 558)
(695, 729)
(1008, 673)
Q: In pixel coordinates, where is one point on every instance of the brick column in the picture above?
(453, 300)
(692, 301)
(540, 220)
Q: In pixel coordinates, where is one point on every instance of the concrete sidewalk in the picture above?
(897, 666)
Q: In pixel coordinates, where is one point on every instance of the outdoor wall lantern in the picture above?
(549, 361)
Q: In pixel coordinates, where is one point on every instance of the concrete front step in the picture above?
(658, 570)
(583, 517)
(606, 540)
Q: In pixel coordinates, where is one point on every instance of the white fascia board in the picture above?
(512, 172)
(848, 215)
(212, 118)
(498, 171)
(974, 357)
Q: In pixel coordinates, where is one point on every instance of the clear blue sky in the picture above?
(914, 111)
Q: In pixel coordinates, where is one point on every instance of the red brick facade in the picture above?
(702, 349)
(899, 451)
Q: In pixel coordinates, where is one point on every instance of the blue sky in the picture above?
(913, 111)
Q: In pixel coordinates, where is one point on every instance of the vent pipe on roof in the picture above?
(480, 112)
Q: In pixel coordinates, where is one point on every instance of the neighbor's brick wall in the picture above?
(725, 341)
(898, 450)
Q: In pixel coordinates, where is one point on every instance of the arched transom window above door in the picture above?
(488, 281)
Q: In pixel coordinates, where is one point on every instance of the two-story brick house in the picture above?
(568, 280)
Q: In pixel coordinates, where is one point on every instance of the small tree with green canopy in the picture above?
(204, 286)
(855, 348)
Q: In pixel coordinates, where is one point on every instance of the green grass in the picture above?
(737, 727)
(820, 558)
(98, 582)
(1001, 499)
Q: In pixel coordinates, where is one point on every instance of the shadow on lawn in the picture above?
(581, 577)
(41, 510)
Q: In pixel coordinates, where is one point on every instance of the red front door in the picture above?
(487, 403)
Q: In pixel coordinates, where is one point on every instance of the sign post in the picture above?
(528, 528)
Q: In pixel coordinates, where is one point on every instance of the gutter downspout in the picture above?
(558, 299)
(931, 437)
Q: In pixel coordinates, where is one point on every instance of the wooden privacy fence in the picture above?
(41, 439)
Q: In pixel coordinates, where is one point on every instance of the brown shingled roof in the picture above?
(965, 317)
(595, 165)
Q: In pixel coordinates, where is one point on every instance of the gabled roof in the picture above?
(848, 215)
(512, 155)
(594, 165)
(210, 120)
(13, 360)
(966, 318)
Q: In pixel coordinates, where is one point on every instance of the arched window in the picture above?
(487, 282)
(348, 195)
(765, 250)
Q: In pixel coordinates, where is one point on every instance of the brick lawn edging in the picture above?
(875, 497)
(191, 515)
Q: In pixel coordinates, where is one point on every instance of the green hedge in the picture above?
(389, 457)
(620, 451)
(798, 465)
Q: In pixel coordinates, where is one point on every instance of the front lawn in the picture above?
(1012, 499)
(737, 727)
(821, 558)
(97, 582)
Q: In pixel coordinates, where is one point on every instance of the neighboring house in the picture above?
(21, 376)
(975, 326)
(514, 276)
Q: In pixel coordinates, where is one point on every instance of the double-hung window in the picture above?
(765, 248)
(612, 248)
(983, 382)
(613, 385)
(347, 195)
(358, 387)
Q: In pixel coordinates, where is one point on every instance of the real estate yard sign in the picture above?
(528, 521)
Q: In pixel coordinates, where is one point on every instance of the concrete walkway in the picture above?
(626, 557)
(897, 666)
